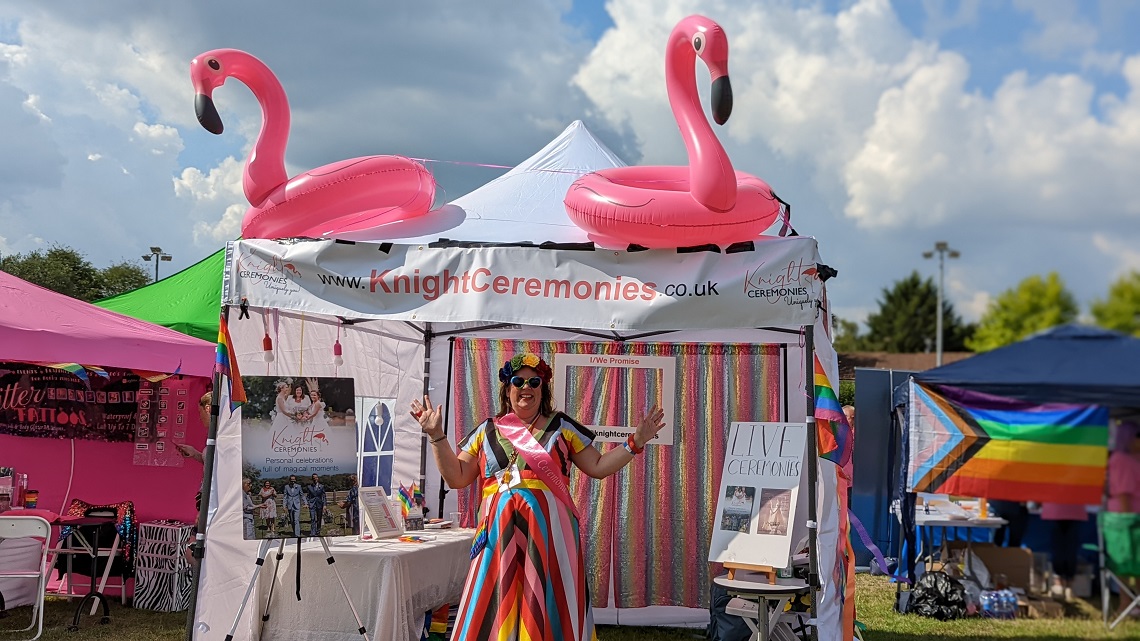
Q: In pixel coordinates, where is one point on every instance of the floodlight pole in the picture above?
(942, 248)
(157, 254)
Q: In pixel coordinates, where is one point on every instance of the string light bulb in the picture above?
(267, 348)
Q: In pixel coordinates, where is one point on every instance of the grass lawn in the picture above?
(875, 599)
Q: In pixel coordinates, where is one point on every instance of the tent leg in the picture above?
(446, 417)
(199, 545)
(813, 477)
(424, 446)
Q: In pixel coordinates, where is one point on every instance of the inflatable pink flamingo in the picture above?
(706, 202)
(344, 196)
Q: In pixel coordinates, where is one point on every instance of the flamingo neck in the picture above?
(265, 168)
(712, 180)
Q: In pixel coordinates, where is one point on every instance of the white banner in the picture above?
(774, 285)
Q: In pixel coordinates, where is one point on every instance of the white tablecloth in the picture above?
(18, 555)
(392, 585)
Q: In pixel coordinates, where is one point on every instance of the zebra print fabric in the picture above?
(162, 574)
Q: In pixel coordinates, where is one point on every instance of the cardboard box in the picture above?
(1015, 563)
(1037, 608)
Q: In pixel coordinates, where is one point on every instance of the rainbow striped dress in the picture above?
(528, 581)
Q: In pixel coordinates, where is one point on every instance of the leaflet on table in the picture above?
(382, 521)
(757, 506)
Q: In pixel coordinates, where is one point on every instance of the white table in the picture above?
(392, 585)
(754, 594)
(938, 521)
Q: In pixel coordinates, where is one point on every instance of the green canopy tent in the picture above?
(188, 302)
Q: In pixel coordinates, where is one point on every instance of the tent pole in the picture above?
(447, 415)
(428, 338)
(813, 476)
(199, 546)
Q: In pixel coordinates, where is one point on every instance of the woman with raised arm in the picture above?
(527, 576)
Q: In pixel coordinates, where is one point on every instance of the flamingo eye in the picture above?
(214, 64)
(698, 42)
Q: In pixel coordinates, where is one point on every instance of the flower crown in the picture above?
(520, 361)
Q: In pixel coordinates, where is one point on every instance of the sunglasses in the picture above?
(521, 382)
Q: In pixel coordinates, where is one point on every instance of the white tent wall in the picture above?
(385, 359)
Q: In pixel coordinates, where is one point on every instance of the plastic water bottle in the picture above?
(1003, 604)
(989, 604)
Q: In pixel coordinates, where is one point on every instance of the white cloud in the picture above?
(228, 228)
(222, 184)
(1123, 251)
(1062, 28)
(160, 139)
(1103, 61)
(939, 21)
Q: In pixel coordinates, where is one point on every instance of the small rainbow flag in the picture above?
(835, 443)
(80, 371)
(405, 500)
(417, 495)
(225, 363)
(157, 377)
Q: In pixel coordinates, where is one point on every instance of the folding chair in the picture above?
(19, 527)
(1119, 559)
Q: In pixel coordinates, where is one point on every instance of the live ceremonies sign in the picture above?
(53, 403)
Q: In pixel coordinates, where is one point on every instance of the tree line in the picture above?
(65, 270)
(906, 318)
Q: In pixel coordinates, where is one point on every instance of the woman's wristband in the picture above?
(441, 438)
(631, 446)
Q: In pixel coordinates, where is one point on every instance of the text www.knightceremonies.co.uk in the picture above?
(432, 286)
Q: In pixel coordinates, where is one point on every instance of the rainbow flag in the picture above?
(157, 377)
(225, 363)
(417, 495)
(834, 434)
(438, 619)
(405, 500)
(974, 444)
(80, 371)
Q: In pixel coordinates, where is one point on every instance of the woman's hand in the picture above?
(430, 418)
(649, 426)
(189, 451)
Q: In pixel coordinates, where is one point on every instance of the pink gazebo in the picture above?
(41, 326)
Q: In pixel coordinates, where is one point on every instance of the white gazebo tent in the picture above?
(505, 262)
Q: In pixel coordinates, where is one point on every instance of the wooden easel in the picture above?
(766, 570)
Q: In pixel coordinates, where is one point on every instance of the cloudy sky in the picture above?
(1010, 129)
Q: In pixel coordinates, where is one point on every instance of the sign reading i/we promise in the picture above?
(610, 393)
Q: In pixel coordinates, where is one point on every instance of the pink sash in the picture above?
(537, 458)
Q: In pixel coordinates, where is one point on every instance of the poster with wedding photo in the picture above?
(299, 457)
(759, 490)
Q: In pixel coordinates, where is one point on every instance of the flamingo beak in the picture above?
(721, 99)
(207, 113)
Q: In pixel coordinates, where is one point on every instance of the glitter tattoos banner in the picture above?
(48, 402)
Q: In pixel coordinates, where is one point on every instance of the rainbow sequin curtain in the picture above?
(646, 528)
